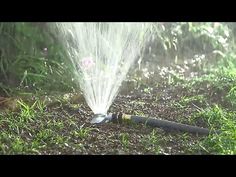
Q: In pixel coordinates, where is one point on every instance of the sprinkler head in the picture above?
(101, 118)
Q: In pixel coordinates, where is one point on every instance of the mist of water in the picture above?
(102, 54)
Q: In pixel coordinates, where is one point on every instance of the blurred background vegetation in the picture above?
(32, 59)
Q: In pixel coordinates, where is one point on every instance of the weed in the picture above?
(151, 142)
(82, 132)
(124, 138)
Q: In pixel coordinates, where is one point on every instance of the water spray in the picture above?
(101, 55)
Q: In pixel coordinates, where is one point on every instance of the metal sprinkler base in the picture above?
(153, 122)
(101, 118)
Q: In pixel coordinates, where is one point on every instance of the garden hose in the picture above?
(153, 122)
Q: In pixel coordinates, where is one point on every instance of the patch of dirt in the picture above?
(105, 138)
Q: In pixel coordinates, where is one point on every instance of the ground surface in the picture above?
(63, 125)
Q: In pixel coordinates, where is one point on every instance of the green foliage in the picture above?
(151, 142)
(186, 101)
(18, 145)
(82, 133)
(186, 38)
(27, 111)
(224, 142)
(124, 139)
(198, 98)
(231, 96)
(31, 58)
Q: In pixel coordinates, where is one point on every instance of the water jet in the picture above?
(102, 54)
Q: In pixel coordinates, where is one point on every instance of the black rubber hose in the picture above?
(153, 122)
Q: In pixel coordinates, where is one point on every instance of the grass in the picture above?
(124, 139)
(151, 142)
(18, 135)
(218, 112)
(223, 120)
(82, 132)
(30, 59)
(231, 96)
(186, 101)
(41, 119)
(198, 99)
(34, 129)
